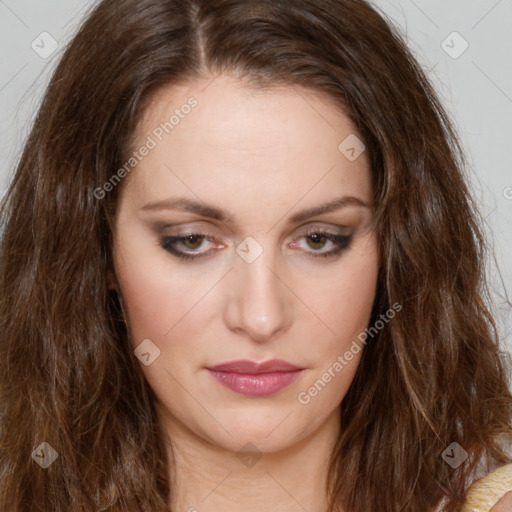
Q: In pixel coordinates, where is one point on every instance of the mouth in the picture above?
(255, 379)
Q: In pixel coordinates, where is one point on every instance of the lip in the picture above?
(252, 367)
(251, 378)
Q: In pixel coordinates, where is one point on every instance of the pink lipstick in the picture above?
(255, 379)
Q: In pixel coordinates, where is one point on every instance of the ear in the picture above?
(112, 280)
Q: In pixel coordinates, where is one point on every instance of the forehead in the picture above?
(224, 102)
(215, 134)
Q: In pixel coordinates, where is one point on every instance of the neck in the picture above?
(207, 477)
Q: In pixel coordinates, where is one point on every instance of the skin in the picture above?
(504, 504)
(262, 156)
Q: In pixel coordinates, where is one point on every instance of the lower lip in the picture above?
(259, 384)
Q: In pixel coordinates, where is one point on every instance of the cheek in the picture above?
(346, 306)
(148, 303)
(155, 297)
(164, 310)
(171, 307)
(345, 302)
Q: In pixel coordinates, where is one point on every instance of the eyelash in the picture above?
(342, 243)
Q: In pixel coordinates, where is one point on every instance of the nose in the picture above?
(259, 305)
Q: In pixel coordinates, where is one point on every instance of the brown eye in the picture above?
(316, 240)
(193, 241)
(190, 242)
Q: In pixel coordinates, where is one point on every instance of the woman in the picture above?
(242, 267)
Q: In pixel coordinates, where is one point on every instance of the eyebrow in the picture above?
(212, 212)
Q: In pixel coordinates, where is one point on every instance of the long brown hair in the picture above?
(431, 377)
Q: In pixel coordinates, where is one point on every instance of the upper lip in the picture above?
(245, 366)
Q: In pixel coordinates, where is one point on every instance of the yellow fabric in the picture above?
(487, 491)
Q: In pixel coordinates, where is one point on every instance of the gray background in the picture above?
(475, 86)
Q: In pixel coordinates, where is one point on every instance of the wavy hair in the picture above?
(431, 377)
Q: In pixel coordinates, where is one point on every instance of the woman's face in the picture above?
(226, 251)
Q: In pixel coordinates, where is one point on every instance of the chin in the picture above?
(267, 435)
(255, 440)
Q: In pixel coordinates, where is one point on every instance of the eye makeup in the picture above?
(191, 245)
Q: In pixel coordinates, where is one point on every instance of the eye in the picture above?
(192, 246)
(317, 240)
(192, 242)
